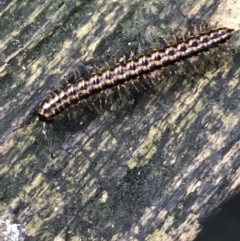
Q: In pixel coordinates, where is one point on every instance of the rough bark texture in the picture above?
(153, 171)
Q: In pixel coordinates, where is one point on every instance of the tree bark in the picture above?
(155, 170)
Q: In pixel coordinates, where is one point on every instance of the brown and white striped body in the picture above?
(55, 103)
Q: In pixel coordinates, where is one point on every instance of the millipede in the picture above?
(57, 102)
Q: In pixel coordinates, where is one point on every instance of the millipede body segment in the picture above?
(57, 102)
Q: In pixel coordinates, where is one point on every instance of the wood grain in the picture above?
(153, 171)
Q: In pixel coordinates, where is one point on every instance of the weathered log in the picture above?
(153, 171)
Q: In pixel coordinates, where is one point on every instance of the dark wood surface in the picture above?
(152, 169)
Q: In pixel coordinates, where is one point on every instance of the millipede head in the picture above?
(44, 116)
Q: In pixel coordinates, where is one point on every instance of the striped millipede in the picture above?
(55, 103)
